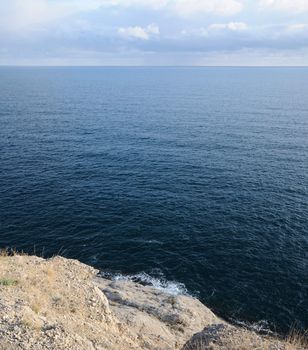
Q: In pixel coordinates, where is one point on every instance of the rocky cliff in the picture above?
(62, 304)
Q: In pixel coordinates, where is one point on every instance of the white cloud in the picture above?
(234, 26)
(194, 7)
(299, 27)
(20, 15)
(154, 4)
(23, 15)
(213, 28)
(296, 6)
(184, 8)
(139, 32)
(197, 32)
(29, 28)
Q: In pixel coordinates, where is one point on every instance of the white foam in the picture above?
(170, 287)
(259, 327)
(149, 241)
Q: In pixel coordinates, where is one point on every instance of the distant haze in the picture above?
(154, 32)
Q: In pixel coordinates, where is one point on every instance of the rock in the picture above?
(61, 304)
(161, 320)
(227, 337)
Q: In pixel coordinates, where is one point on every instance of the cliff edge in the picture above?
(62, 304)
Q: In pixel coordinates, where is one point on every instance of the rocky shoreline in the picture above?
(62, 304)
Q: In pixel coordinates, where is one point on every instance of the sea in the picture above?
(190, 179)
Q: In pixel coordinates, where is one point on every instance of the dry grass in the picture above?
(298, 339)
(60, 292)
(5, 252)
(52, 295)
(245, 344)
(50, 275)
(222, 337)
(6, 280)
(36, 307)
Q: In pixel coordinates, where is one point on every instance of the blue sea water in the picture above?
(193, 175)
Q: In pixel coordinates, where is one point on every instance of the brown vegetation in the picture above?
(61, 304)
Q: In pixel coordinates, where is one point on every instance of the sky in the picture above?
(154, 32)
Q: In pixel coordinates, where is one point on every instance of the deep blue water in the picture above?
(195, 175)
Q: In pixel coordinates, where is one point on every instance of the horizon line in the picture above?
(147, 66)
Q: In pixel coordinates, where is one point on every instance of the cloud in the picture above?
(198, 7)
(139, 32)
(23, 15)
(233, 26)
(214, 29)
(183, 8)
(27, 15)
(234, 36)
(298, 27)
(112, 28)
(296, 6)
(153, 4)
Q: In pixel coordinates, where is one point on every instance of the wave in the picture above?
(149, 241)
(161, 283)
(261, 326)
